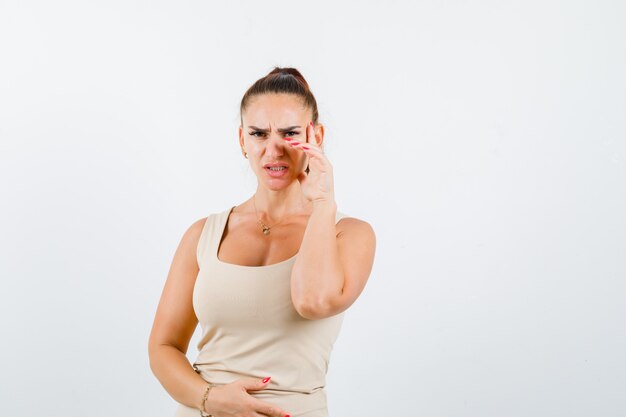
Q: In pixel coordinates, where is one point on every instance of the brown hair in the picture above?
(281, 80)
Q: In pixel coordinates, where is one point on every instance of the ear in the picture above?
(319, 134)
(240, 137)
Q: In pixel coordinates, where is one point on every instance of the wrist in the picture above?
(325, 205)
(204, 403)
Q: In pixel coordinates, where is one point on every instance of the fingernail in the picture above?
(287, 138)
(266, 379)
(304, 147)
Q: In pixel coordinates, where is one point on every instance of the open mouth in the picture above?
(276, 170)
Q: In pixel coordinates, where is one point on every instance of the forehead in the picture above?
(275, 109)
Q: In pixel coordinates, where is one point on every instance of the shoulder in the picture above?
(193, 232)
(195, 228)
(189, 241)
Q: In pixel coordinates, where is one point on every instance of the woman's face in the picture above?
(268, 119)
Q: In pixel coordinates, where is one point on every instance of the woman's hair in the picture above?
(281, 80)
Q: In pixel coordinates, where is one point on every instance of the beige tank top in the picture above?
(250, 328)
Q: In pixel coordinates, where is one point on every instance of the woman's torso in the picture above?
(250, 328)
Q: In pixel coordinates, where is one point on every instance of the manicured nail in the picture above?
(304, 147)
(266, 379)
(287, 138)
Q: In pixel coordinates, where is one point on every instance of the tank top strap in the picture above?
(208, 241)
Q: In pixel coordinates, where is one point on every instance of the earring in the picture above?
(245, 154)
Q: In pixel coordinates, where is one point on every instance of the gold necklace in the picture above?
(265, 227)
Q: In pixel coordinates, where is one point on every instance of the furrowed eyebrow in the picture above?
(283, 130)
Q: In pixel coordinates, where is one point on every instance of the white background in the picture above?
(484, 141)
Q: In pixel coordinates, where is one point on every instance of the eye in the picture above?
(294, 133)
(255, 133)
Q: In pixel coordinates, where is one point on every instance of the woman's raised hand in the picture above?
(233, 400)
(318, 185)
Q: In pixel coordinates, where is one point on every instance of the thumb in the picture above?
(256, 384)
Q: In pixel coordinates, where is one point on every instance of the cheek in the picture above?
(254, 147)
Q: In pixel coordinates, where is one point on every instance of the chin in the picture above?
(276, 185)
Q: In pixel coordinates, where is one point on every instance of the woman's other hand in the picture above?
(233, 400)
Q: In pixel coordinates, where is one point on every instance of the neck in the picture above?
(275, 205)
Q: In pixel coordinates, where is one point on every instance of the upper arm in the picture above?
(175, 320)
(356, 243)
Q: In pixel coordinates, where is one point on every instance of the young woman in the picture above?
(268, 279)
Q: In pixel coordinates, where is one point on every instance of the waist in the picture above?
(284, 383)
(297, 405)
(297, 402)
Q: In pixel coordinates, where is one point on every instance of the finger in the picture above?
(255, 383)
(310, 133)
(268, 409)
(310, 150)
(304, 146)
(295, 143)
(310, 141)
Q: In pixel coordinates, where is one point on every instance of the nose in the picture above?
(275, 144)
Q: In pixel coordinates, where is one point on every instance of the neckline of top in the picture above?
(226, 213)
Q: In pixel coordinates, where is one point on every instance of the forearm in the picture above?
(180, 380)
(317, 276)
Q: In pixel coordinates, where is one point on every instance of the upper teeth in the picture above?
(277, 168)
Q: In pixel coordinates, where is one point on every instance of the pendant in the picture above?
(266, 230)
